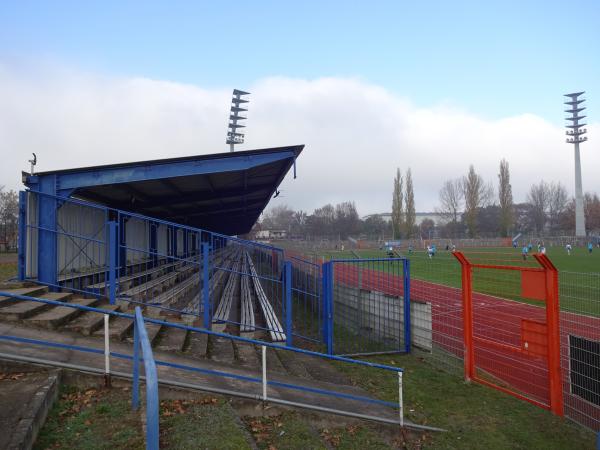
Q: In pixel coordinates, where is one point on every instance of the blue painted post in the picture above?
(205, 284)
(407, 324)
(22, 245)
(328, 306)
(287, 280)
(185, 243)
(173, 241)
(324, 300)
(122, 245)
(112, 260)
(153, 242)
(47, 237)
(135, 394)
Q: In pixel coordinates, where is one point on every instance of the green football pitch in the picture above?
(579, 272)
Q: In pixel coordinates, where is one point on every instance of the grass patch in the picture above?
(91, 419)
(286, 431)
(200, 424)
(8, 270)
(475, 416)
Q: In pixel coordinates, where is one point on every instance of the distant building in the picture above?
(438, 219)
(271, 234)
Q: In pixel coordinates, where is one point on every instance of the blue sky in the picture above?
(493, 59)
(367, 86)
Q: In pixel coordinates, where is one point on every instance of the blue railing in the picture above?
(140, 340)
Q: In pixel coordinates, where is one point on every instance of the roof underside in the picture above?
(225, 192)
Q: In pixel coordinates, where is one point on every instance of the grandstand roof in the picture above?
(222, 192)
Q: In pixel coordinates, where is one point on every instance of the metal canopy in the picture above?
(223, 192)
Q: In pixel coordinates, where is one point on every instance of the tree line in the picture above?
(9, 215)
(471, 207)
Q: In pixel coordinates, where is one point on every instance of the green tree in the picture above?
(410, 216)
(505, 198)
(397, 212)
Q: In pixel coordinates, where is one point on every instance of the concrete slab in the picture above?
(88, 322)
(25, 401)
(59, 315)
(34, 291)
(172, 340)
(24, 309)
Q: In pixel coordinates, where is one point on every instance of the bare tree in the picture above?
(538, 197)
(477, 195)
(9, 214)
(397, 209)
(505, 198)
(451, 202)
(557, 203)
(410, 216)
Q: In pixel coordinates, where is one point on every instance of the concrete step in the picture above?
(88, 322)
(246, 355)
(35, 291)
(59, 315)
(198, 345)
(153, 330)
(172, 340)
(293, 364)
(119, 327)
(25, 309)
(221, 350)
(25, 402)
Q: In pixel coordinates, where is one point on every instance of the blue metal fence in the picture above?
(219, 282)
(367, 306)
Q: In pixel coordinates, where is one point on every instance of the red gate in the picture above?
(511, 329)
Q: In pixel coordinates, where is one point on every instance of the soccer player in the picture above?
(569, 248)
(590, 248)
(524, 252)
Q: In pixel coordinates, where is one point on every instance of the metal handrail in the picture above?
(140, 339)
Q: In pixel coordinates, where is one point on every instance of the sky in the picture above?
(366, 86)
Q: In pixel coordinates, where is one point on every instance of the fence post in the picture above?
(205, 284)
(328, 306)
(406, 291)
(22, 244)
(113, 249)
(107, 381)
(553, 337)
(135, 390)
(400, 399)
(264, 373)
(467, 297)
(288, 303)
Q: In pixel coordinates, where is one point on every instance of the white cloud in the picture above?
(356, 134)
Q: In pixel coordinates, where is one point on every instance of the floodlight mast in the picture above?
(233, 135)
(575, 136)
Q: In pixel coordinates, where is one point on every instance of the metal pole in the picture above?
(106, 351)
(205, 284)
(264, 373)
(135, 399)
(288, 303)
(400, 400)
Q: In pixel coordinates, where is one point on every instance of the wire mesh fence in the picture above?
(580, 346)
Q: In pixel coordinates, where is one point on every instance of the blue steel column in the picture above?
(287, 280)
(185, 243)
(205, 284)
(122, 245)
(22, 235)
(153, 242)
(112, 260)
(328, 306)
(47, 238)
(173, 241)
(406, 289)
